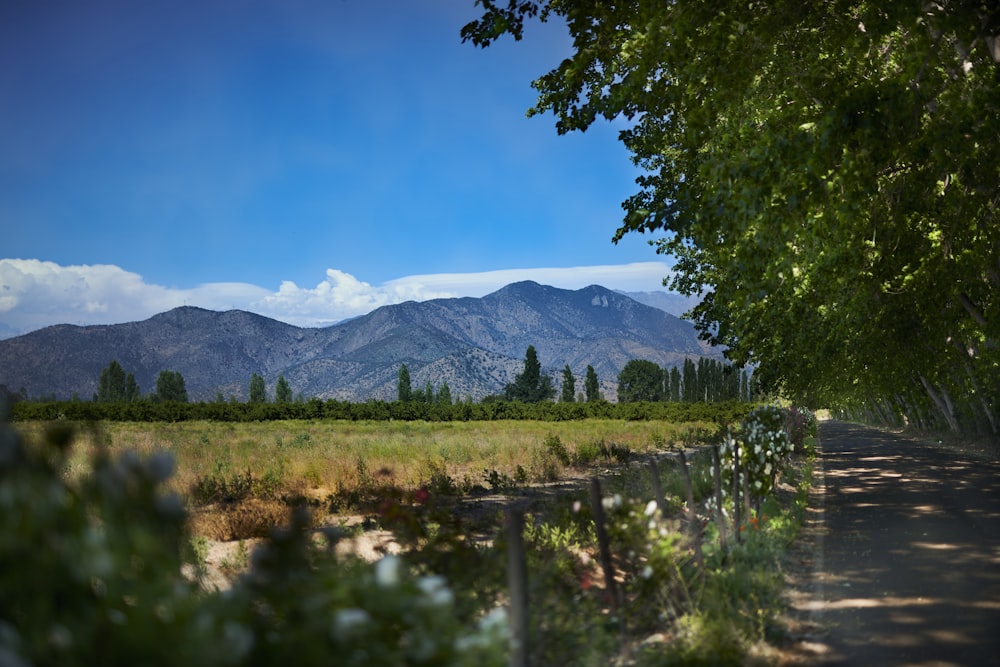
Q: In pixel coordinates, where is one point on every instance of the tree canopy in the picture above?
(116, 386)
(170, 387)
(640, 380)
(530, 386)
(823, 174)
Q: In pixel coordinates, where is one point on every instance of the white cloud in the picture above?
(35, 294)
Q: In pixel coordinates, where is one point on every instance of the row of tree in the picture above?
(375, 410)
(823, 174)
(708, 380)
(116, 386)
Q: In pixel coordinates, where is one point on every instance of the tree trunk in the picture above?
(943, 404)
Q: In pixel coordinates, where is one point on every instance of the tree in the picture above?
(689, 382)
(591, 385)
(116, 386)
(258, 391)
(170, 387)
(823, 173)
(530, 386)
(568, 386)
(282, 391)
(444, 394)
(675, 384)
(640, 380)
(404, 392)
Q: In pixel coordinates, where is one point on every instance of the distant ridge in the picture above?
(476, 345)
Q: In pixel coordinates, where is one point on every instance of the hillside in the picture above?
(475, 345)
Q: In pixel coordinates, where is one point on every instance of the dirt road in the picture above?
(904, 554)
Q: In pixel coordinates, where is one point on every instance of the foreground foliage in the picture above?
(110, 585)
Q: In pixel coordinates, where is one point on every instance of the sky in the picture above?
(309, 160)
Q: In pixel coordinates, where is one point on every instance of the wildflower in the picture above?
(422, 495)
(348, 621)
(650, 508)
(647, 572)
(387, 571)
(436, 590)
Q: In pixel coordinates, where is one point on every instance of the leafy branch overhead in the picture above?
(824, 173)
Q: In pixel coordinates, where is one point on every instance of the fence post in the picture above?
(694, 530)
(603, 543)
(717, 474)
(737, 483)
(654, 477)
(517, 583)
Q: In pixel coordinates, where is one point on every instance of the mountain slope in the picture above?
(475, 345)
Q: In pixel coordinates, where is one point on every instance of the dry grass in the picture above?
(299, 456)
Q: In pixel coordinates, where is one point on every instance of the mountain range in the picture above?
(476, 345)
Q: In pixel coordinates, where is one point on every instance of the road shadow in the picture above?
(907, 553)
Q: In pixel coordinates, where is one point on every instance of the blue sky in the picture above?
(309, 160)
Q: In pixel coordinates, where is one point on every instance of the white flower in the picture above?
(576, 506)
(647, 572)
(495, 621)
(611, 502)
(238, 638)
(436, 589)
(650, 508)
(387, 571)
(347, 621)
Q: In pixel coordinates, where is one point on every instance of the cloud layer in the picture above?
(36, 294)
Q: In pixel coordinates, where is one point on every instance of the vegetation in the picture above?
(170, 387)
(591, 385)
(823, 173)
(115, 386)
(568, 394)
(258, 391)
(495, 410)
(282, 391)
(118, 552)
(640, 380)
(530, 386)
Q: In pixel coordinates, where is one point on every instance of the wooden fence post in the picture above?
(517, 583)
(654, 477)
(694, 531)
(603, 543)
(717, 474)
(737, 483)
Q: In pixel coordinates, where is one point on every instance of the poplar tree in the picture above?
(568, 386)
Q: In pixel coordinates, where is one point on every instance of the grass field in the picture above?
(316, 457)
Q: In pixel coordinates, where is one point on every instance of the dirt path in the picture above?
(903, 554)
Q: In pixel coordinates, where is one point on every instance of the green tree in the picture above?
(824, 174)
(689, 382)
(116, 386)
(170, 387)
(640, 380)
(404, 392)
(675, 384)
(530, 386)
(591, 385)
(568, 386)
(444, 394)
(282, 391)
(258, 391)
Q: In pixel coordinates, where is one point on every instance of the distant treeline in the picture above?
(173, 411)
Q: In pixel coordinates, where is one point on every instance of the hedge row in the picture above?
(725, 412)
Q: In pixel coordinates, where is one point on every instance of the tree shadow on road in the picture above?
(906, 563)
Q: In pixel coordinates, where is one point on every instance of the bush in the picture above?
(91, 573)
